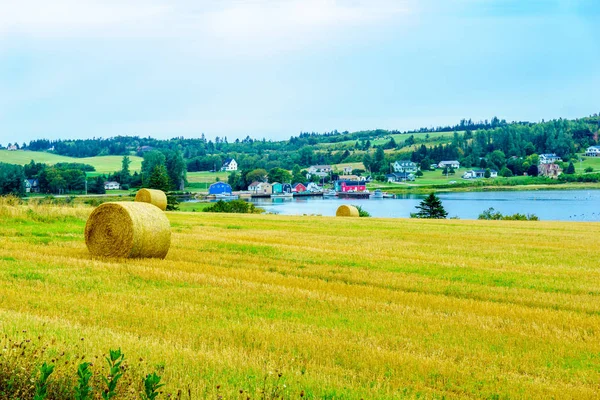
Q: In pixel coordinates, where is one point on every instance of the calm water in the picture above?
(561, 205)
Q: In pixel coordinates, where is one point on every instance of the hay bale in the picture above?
(129, 230)
(152, 196)
(346, 211)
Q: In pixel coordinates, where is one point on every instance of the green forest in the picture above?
(510, 148)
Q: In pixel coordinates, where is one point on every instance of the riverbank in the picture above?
(459, 187)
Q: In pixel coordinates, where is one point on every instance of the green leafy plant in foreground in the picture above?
(114, 360)
(151, 386)
(83, 390)
(41, 386)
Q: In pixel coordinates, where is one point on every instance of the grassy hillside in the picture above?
(104, 164)
(341, 308)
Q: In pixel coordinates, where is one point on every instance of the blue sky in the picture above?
(265, 68)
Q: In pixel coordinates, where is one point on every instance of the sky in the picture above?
(274, 68)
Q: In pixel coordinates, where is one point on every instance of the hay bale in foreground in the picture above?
(152, 196)
(129, 230)
(346, 211)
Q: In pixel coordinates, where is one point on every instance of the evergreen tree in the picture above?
(431, 207)
(125, 175)
(570, 169)
(159, 179)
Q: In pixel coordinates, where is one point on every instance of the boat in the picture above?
(377, 194)
(282, 196)
(226, 196)
(330, 193)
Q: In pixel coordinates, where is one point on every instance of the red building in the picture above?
(298, 188)
(350, 186)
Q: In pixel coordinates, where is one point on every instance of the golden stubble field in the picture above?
(340, 308)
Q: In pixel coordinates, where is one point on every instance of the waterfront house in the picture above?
(261, 188)
(350, 186)
(313, 187)
(298, 188)
(405, 166)
(593, 151)
(549, 158)
(449, 164)
(112, 185)
(400, 177)
(549, 170)
(479, 173)
(219, 188)
(229, 165)
(277, 187)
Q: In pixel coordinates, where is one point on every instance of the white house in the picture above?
(313, 187)
(112, 185)
(347, 170)
(405, 166)
(549, 158)
(229, 165)
(319, 170)
(479, 173)
(450, 164)
(593, 151)
(12, 147)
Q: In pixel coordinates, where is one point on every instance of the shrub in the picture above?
(491, 214)
(362, 212)
(234, 206)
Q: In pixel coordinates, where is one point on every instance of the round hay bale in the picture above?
(346, 211)
(129, 230)
(152, 196)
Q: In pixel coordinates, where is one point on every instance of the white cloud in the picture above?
(228, 19)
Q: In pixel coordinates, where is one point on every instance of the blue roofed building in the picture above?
(219, 188)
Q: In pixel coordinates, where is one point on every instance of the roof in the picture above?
(228, 161)
(111, 183)
(219, 183)
(594, 147)
(353, 183)
(450, 161)
(549, 155)
(405, 162)
(400, 174)
(321, 166)
(299, 183)
(255, 183)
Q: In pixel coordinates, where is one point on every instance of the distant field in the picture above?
(328, 307)
(103, 164)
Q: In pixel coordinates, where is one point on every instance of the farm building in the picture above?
(350, 186)
(112, 185)
(405, 166)
(229, 165)
(298, 188)
(400, 177)
(593, 151)
(219, 188)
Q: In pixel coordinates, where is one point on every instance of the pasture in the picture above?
(103, 164)
(324, 307)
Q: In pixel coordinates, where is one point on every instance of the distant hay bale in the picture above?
(152, 196)
(346, 211)
(128, 230)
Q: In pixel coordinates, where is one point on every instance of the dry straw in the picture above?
(346, 211)
(129, 230)
(152, 196)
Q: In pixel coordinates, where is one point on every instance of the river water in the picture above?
(558, 205)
